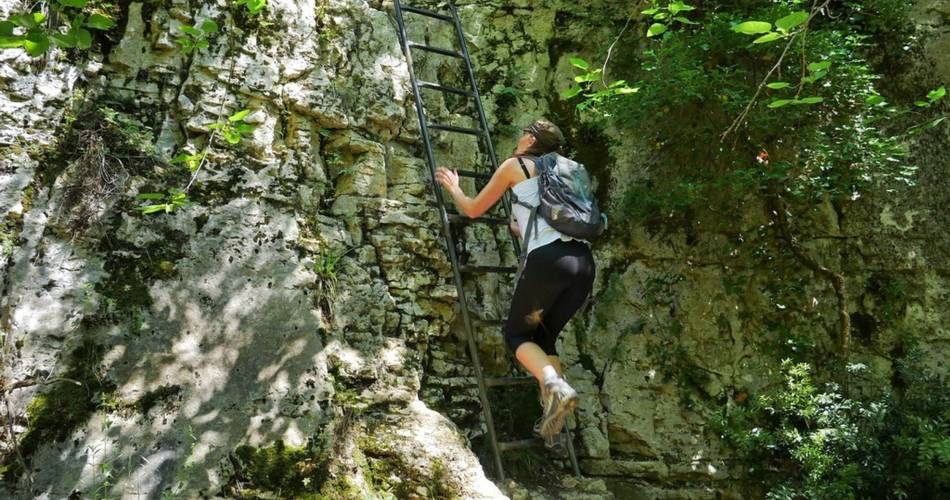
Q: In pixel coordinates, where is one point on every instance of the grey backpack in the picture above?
(567, 200)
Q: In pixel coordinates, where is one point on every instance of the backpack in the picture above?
(566, 197)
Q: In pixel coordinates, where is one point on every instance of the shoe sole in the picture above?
(554, 424)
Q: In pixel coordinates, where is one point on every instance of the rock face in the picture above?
(296, 329)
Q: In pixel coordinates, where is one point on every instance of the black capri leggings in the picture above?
(555, 283)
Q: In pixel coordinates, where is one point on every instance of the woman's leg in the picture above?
(533, 358)
(537, 289)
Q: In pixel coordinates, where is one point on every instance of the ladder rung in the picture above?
(463, 219)
(453, 128)
(503, 381)
(488, 322)
(487, 269)
(519, 444)
(437, 50)
(443, 88)
(426, 12)
(472, 173)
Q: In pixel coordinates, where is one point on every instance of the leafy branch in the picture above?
(766, 35)
(33, 31)
(232, 130)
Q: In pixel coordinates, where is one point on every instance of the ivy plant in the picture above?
(67, 27)
(196, 37)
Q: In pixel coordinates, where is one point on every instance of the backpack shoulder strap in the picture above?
(523, 167)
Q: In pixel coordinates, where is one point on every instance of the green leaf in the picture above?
(659, 16)
(64, 40)
(209, 26)
(150, 209)
(588, 77)
(810, 100)
(239, 115)
(231, 135)
(792, 20)
(571, 92)
(678, 6)
(922, 104)
(245, 128)
(778, 85)
(778, 103)
(768, 37)
(72, 3)
(937, 94)
(684, 20)
(11, 42)
(628, 90)
(753, 27)
(818, 66)
(83, 38)
(649, 12)
(656, 29)
(36, 43)
(874, 100)
(186, 45)
(6, 28)
(24, 20)
(150, 196)
(579, 63)
(100, 22)
(202, 43)
(190, 30)
(255, 6)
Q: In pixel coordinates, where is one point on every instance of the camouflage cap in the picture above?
(546, 133)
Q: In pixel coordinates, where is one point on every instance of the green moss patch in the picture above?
(63, 406)
(277, 471)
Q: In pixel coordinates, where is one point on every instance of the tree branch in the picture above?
(778, 64)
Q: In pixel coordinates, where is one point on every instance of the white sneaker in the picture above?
(562, 399)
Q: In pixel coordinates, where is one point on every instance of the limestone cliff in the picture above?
(294, 332)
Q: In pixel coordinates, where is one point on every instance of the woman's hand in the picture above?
(448, 178)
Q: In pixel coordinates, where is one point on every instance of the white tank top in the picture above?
(527, 192)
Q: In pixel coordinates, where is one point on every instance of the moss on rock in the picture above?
(277, 471)
(66, 404)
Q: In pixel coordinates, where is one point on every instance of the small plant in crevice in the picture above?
(232, 130)
(325, 268)
(196, 37)
(253, 7)
(65, 24)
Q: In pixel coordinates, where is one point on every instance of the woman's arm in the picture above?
(500, 181)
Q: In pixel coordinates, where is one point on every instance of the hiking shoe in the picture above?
(555, 444)
(562, 400)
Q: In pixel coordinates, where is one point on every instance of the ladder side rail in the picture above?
(450, 244)
(463, 46)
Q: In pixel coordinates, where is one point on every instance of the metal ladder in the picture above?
(448, 217)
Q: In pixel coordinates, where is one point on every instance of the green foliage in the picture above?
(586, 86)
(235, 128)
(253, 7)
(196, 37)
(166, 202)
(67, 28)
(823, 444)
(667, 16)
(232, 130)
(325, 267)
(822, 121)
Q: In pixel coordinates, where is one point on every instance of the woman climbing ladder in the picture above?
(557, 278)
